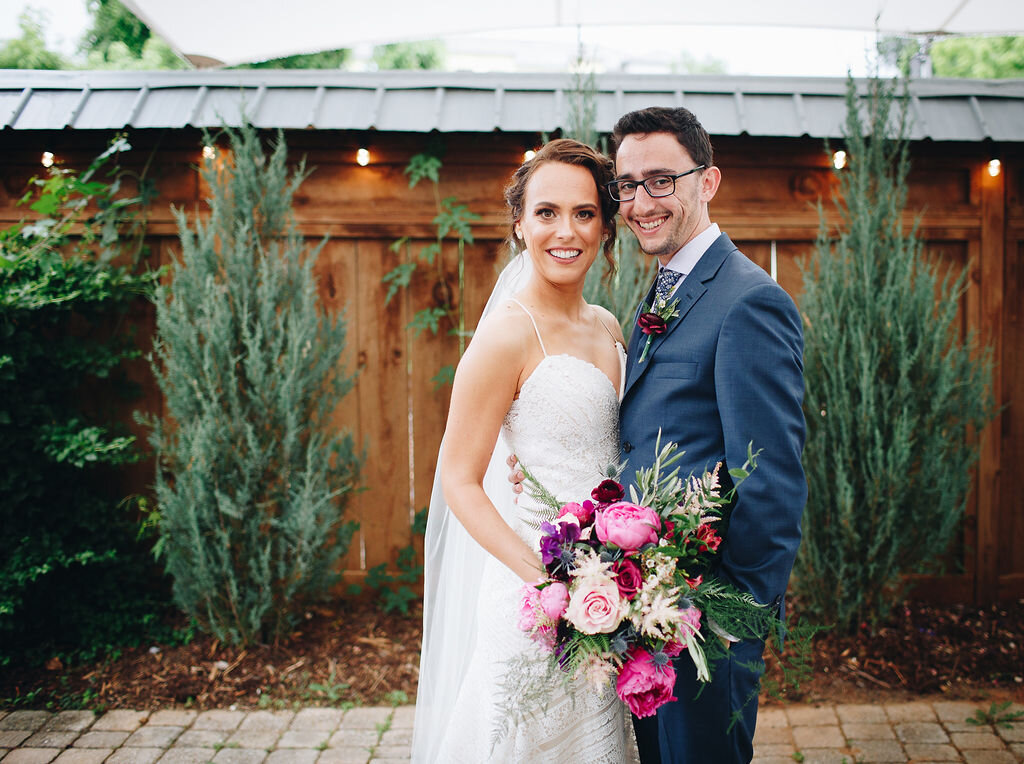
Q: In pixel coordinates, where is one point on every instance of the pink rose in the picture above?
(627, 525)
(582, 512)
(628, 578)
(642, 685)
(554, 599)
(594, 606)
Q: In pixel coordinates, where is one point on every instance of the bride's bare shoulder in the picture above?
(506, 328)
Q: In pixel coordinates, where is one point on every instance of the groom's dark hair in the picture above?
(677, 121)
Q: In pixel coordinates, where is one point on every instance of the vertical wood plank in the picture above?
(383, 407)
(337, 286)
(432, 287)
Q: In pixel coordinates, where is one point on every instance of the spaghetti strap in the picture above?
(608, 330)
(532, 321)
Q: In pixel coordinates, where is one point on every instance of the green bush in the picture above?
(893, 394)
(251, 483)
(74, 580)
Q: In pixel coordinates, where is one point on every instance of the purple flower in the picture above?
(556, 540)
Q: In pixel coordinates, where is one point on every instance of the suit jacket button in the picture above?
(627, 447)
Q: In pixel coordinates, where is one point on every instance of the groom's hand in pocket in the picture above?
(515, 477)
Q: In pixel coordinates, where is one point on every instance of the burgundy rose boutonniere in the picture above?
(655, 321)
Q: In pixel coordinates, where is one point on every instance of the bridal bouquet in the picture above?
(625, 591)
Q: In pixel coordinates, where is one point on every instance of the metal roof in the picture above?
(943, 109)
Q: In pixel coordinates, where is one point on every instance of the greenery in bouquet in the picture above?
(631, 586)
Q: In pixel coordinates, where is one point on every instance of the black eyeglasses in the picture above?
(655, 186)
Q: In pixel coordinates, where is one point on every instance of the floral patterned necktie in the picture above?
(667, 279)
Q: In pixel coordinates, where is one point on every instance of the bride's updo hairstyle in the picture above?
(567, 151)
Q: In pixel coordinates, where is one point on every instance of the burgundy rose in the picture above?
(651, 323)
(608, 492)
(628, 578)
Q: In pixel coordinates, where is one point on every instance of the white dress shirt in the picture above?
(685, 260)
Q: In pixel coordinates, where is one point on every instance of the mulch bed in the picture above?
(354, 654)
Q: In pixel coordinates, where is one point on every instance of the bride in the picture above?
(542, 379)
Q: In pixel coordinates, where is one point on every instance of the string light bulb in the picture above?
(47, 160)
(528, 155)
(994, 167)
(839, 159)
(209, 152)
(363, 157)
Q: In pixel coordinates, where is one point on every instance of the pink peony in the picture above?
(594, 606)
(627, 525)
(582, 512)
(554, 599)
(530, 598)
(642, 685)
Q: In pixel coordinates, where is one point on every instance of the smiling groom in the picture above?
(727, 371)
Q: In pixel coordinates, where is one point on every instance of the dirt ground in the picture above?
(353, 654)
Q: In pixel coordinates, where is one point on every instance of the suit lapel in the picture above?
(690, 290)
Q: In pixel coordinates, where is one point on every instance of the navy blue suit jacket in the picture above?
(728, 371)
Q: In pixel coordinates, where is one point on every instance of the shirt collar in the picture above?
(686, 258)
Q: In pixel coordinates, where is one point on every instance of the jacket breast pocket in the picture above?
(674, 370)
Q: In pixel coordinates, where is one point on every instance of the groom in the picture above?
(726, 372)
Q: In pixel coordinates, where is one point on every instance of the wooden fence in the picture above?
(767, 203)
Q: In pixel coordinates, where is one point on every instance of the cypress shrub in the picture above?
(251, 482)
(894, 394)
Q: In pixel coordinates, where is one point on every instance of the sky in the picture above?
(778, 52)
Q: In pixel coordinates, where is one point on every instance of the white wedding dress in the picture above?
(564, 429)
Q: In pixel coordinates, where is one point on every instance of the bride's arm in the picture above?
(485, 384)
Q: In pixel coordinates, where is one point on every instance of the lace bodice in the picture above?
(564, 428)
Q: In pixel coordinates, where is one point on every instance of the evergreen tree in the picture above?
(893, 394)
(251, 483)
(979, 57)
(117, 39)
(29, 51)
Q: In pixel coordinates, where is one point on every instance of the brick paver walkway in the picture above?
(855, 734)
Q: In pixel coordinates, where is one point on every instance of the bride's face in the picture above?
(561, 223)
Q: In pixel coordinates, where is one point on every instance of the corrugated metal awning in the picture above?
(944, 110)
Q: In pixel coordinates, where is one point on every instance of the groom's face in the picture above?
(662, 225)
